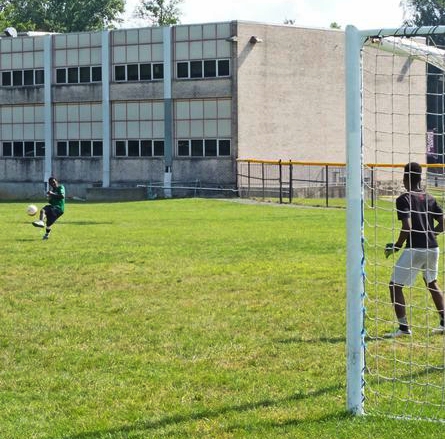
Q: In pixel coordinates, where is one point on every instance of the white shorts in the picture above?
(413, 260)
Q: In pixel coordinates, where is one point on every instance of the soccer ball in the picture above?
(31, 210)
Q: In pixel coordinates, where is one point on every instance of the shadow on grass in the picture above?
(81, 223)
(208, 414)
(312, 340)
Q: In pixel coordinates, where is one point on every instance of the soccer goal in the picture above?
(394, 115)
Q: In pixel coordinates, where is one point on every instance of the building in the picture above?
(121, 108)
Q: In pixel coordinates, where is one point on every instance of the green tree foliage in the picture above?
(334, 25)
(62, 15)
(159, 12)
(424, 12)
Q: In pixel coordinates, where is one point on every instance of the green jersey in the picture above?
(58, 201)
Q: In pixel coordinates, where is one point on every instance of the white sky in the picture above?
(364, 14)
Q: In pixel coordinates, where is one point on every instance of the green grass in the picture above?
(178, 319)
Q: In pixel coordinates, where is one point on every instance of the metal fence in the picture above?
(287, 181)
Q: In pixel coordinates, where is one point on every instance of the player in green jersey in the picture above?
(55, 208)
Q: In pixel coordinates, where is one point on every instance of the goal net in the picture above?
(395, 115)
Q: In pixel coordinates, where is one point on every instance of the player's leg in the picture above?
(41, 221)
(430, 278)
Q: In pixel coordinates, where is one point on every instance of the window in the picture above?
(182, 70)
(210, 148)
(19, 78)
(39, 77)
(28, 149)
(7, 149)
(183, 148)
(61, 76)
(73, 148)
(145, 70)
(196, 69)
(158, 71)
(119, 73)
(6, 78)
(197, 148)
(211, 68)
(204, 148)
(73, 75)
(76, 148)
(78, 75)
(223, 67)
(96, 74)
(84, 74)
(62, 149)
(132, 72)
(138, 72)
(139, 148)
(28, 77)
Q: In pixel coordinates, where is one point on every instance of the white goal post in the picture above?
(407, 45)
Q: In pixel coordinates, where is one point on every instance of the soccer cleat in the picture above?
(45, 236)
(439, 330)
(38, 223)
(399, 333)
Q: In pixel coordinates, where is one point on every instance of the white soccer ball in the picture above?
(31, 210)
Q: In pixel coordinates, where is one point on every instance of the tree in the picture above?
(334, 25)
(290, 21)
(159, 12)
(423, 12)
(431, 13)
(63, 15)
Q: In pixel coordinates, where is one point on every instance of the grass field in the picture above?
(178, 319)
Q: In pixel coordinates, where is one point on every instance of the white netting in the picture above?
(403, 118)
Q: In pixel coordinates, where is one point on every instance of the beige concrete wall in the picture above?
(291, 98)
(290, 93)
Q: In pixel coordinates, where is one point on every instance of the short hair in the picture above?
(414, 172)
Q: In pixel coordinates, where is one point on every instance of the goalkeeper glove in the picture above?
(390, 249)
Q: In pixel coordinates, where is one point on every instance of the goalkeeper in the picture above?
(422, 219)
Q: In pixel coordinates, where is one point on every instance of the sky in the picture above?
(364, 14)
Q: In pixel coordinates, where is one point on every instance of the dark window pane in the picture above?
(40, 149)
(73, 146)
(132, 72)
(62, 149)
(85, 74)
(197, 148)
(85, 148)
(146, 150)
(223, 67)
(158, 148)
(28, 77)
(145, 72)
(182, 69)
(7, 149)
(224, 147)
(17, 77)
(183, 148)
(18, 149)
(195, 69)
(96, 74)
(6, 78)
(158, 71)
(61, 76)
(210, 69)
(39, 77)
(121, 149)
(97, 148)
(210, 148)
(29, 149)
(133, 148)
(73, 75)
(119, 73)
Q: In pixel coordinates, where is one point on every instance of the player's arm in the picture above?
(403, 236)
